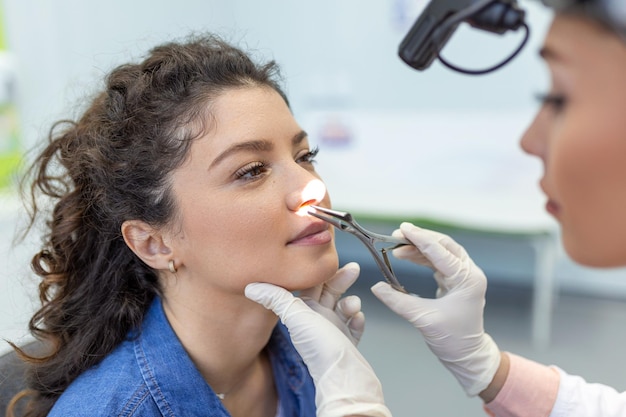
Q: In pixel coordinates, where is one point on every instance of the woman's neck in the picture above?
(255, 395)
(225, 336)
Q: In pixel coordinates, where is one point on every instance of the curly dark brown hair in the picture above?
(111, 165)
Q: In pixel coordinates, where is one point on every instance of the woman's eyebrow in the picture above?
(252, 145)
(299, 137)
(260, 145)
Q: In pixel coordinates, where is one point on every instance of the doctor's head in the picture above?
(580, 130)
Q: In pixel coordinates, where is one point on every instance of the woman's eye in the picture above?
(309, 157)
(554, 101)
(251, 171)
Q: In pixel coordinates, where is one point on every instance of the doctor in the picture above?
(580, 136)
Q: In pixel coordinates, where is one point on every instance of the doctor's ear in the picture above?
(148, 243)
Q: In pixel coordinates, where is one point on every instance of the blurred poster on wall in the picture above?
(10, 144)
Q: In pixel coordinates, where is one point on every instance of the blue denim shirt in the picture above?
(152, 375)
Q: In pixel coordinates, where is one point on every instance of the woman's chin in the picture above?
(294, 277)
(312, 279)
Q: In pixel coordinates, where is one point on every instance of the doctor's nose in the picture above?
(533, 141)
(312, 193)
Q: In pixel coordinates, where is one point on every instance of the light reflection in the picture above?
(312, 193)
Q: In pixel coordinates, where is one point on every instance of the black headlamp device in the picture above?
(440, 18)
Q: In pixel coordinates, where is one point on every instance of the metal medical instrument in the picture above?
(344, 222)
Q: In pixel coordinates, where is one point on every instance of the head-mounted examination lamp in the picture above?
(440, 18)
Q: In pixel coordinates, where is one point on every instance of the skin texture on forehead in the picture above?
(583, 144)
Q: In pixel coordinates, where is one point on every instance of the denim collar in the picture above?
(169, 372)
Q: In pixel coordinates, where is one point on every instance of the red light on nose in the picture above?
(304, 207)
(306, 204)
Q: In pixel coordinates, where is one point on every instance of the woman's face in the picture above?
(238, 197)
(580, 135)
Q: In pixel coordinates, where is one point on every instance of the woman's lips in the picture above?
(317, 233)
(552, 208)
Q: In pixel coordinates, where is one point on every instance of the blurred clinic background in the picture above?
(435, 147)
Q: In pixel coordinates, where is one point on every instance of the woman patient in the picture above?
(183, 181)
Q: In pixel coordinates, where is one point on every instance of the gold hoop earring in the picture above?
(172, 267)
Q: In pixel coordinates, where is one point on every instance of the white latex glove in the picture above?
(345, 384)
(452, 324)
(345, 313)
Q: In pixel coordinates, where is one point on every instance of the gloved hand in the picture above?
(452, 324)
(345, 384)
(345, 313)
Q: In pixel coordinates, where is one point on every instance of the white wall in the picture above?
(332, 53)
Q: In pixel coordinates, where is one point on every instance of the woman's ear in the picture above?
(147, 243)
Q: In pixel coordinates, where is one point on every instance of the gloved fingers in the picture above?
(272, 297)
(341, 317)
(411, 307)
(335, 287)
(357, 326)
(442, 287)
(439, 249)
(349, 310)
(348, 307)
(328, 293)
(409, 252)
(413, 254)
(440, 252)
(316, 339)
(295, 313)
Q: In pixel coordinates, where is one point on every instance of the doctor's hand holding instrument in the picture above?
(322, 331)
(452, 324)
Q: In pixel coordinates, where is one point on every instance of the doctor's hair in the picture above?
(113, 164)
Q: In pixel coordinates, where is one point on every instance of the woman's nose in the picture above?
(310, 192)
